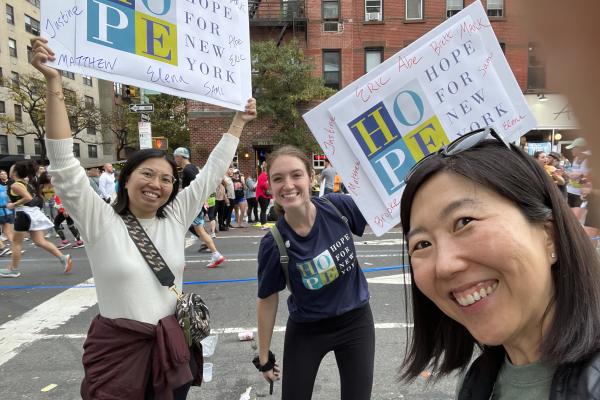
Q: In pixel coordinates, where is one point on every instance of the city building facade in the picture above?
(345, 39)
(20, 23)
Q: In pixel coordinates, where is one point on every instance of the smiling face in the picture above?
(147, 187)
(475, 255)
(290, 182)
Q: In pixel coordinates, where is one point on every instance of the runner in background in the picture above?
(188, 174)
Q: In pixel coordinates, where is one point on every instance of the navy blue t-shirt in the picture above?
(325, 276)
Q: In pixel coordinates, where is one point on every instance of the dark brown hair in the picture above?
(439, 342)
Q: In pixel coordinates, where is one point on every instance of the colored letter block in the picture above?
(392, 165)
(426, 138)
(155, 38)
(121, 25)
(374, 130)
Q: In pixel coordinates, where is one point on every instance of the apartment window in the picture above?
(414, 9)
(76, 150)
(18, 113)
(536, 70)
(495, 8)
(373, 57)
(87, 80)
(67, 74)
(20, 145)
(73, 122)
(29, 53)
(37, 147)
(34, 2)
(2, 107)
(332, 69)
(14, 79)
(453, 7)
(373, 10)
(3, 144)
(118, 89)
(92, 151)
(32, 25)
(89, 101)
(70, 97)
(331, 10)
(10, 14)
(12, 47)
(91, 129)
(1, 74)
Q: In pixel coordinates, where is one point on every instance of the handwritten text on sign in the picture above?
(198, 49)
(452, 80)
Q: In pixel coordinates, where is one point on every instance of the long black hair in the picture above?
(445, 345)
(121, 205)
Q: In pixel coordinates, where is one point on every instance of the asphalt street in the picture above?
(44, 316)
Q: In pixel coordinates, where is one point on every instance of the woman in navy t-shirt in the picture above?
(329, 301)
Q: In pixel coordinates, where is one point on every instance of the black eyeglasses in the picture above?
(465, 142)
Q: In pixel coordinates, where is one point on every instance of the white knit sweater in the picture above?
(125, 285)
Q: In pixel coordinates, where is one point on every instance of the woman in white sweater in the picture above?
(130, 297)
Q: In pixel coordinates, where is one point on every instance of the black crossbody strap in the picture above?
(148, 250)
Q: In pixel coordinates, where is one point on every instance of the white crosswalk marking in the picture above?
(49, 315)
(399, 279)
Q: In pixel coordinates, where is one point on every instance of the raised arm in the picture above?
(57, 120)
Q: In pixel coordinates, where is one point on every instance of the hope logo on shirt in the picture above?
(322, 269)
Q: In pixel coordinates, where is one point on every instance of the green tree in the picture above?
(123, 126)
(284, 85)
(29, 92)
(169, 119)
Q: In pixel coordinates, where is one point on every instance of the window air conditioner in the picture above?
(373, 16)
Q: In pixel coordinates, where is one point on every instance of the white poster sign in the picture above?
(145, 131)
(452, 80)
(197, 49)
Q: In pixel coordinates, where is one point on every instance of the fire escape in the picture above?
(279, 14)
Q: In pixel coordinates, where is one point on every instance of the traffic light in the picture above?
(130, 92)
(160, 143)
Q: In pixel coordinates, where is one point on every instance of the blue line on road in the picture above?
(210, 282)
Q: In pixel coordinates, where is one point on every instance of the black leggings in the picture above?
(252, 209)
(58, 220)
(221, 209)
(264, 204)
(351, 336)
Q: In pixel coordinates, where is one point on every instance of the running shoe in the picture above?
(9, 273)
(78, 244)
(67, 263)
(63, 245)
(203, 249)
(9, 252)
(213, 235)
(216, 260)
(5, 251)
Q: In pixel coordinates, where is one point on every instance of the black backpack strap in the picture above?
(283, 256)
(148, 250)
(481, 377)
(337, 211)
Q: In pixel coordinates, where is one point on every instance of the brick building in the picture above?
(346, 38)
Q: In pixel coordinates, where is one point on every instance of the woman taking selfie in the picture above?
(501, 267)
(135, 348)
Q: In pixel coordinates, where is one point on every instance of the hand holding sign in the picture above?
(452, 80)
(198, 50)
(41, 55)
